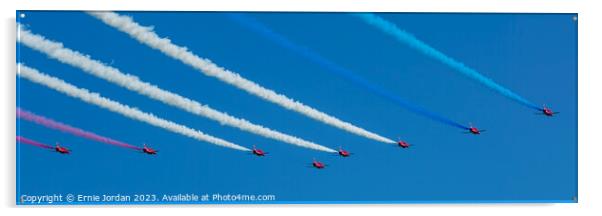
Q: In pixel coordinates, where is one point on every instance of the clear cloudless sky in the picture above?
(521, 157)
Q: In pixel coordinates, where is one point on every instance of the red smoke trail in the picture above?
(33, 143)
(49, 123)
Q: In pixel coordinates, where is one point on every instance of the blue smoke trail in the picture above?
(407, 38)
(258, 27)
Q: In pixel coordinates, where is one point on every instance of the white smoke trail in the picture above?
(147, 36)
(57, 51)
(95, 98)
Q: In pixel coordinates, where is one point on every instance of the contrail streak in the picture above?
(33, 143)
(147, 36)
(409, 39)
(332, 67)
(57, 51)
(133, 113)
(49, 123)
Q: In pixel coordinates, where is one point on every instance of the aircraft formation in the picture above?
(315, 163)
(64, 150)
(33, 41)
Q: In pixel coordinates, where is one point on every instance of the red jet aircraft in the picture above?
(343, 152)
(148, 150)
(318, 164)
(547, 111)
(61, 150)
(474, 130)
(403, 144)
(258, 152)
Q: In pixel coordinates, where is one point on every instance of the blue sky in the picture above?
(522, 156)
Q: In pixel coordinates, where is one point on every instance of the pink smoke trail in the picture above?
(49, 123)
(33, 143)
